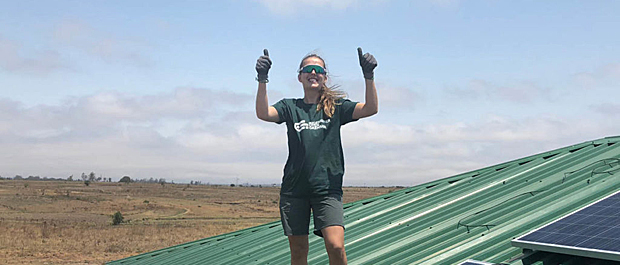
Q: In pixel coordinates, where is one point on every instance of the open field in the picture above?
(59, 222)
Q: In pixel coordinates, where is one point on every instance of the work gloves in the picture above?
(262, 67)
(368, 64)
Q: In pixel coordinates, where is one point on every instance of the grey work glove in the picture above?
(262, 67)
(368, 64)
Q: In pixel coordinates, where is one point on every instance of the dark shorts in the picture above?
(295, 213)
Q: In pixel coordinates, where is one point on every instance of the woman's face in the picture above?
(312, 80)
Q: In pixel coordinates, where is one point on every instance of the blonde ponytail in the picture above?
(328, 98)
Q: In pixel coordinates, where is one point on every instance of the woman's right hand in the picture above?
(262, 67)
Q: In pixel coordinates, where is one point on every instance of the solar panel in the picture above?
(475, 262)
(592, 231)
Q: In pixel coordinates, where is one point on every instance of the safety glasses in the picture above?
(317, 69)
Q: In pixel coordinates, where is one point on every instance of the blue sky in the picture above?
(166, 89)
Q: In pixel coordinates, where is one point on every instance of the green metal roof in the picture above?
(473, 215)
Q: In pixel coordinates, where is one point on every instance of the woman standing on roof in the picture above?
(315, 166)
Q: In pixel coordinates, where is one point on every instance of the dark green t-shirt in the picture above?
(315, 164)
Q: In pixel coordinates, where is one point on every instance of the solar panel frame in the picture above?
(567, 235)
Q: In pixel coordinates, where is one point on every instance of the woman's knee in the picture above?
(298, 244)
(334, 237)
(335, 246)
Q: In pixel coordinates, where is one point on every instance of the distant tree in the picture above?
(87, 183)
(18, 177)
(99, 179)
(84, 177)
(125, 179)
(33, 178)
(109, 179)
(70, 178)
(92, 177)
(117, 218)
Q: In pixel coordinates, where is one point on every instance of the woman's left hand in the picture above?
(368, 64)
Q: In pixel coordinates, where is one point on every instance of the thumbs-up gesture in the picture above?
(262, 67)
(368, 64)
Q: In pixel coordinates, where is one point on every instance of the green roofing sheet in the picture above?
(473, 215)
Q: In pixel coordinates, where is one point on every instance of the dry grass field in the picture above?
(58, 222)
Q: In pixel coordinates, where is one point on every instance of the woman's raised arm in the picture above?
(371, 105)
(263, 110)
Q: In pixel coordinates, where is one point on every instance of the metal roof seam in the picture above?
(487, 209)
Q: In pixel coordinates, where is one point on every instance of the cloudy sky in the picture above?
(166, 89)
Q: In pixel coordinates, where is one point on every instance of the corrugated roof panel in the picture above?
(473, 215)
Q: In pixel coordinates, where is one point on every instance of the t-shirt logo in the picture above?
(313, 125)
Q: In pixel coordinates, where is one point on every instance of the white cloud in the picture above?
(104, 46)
(400, 97)
(524, 92)
(445, 3)
(407, 154)
(390, 97)
(108, 112)
(214, 136)
(606, 76)
(288, 7)
(38, 63)
(116, 134)
(608, 109)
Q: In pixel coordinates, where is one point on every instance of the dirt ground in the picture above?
(61, 222)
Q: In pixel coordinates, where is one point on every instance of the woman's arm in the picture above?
(371, 106)
(263, 110)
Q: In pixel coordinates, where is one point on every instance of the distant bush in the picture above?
(125, 179)
(117, 218)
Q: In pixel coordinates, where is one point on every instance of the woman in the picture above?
(315, 166)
